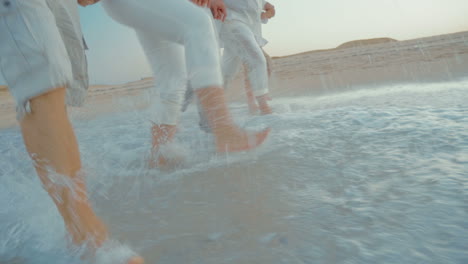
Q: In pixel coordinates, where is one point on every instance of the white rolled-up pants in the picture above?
(180, 43)
(242, 48)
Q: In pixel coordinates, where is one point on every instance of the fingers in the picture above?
(219, 14)
(272, 11)
(218, 9)
(215, 13)
(201, 2)
(223, 14)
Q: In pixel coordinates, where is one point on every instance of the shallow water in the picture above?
(366, 176)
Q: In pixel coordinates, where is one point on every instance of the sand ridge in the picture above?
(438, 58)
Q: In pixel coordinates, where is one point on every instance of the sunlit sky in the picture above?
(115, 55)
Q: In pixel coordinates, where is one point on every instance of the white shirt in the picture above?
(248, 12)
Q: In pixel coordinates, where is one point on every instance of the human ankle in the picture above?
(162, 134)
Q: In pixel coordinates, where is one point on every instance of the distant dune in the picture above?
(3, 87)
(373, 62)
(350, 44)
(365, 42)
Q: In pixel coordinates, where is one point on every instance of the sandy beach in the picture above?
(355, 64)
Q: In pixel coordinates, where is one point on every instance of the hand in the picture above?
(200, 2)
(269, 11)
(87, 2)
(218, 9)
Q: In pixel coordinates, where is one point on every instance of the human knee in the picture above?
(199, 27)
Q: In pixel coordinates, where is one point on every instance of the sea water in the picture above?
(376, 175)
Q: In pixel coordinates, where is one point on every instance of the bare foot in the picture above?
(229, 138)
(87, 229)
(158, 160)
(136, 260)
(265, 108)
(166, 157)
(253, 108)
(162, 134)
(235, 140)
(115, 253)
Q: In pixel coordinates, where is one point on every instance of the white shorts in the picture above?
(41, 49)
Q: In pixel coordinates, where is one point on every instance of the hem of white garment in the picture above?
(260, 92)
(205, 79)
(36, 82)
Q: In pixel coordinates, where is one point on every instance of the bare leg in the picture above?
(51, 142)
(265, 108)
(262, 101)
(229, 137)
(253, 108)
(263, 105)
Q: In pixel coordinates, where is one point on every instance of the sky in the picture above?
(115, 55)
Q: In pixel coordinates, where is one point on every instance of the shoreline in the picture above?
(354, 64)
